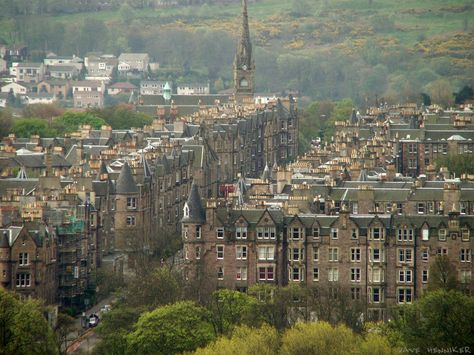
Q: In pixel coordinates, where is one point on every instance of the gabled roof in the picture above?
(125, 182)
(102, 170)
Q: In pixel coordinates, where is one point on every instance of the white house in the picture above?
(193, 89)
(16, 88)
(88, 94)
(41, 98)
(133, 61)
(124, 67)
(30, 72)
(53, 59)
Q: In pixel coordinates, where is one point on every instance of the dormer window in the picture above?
(296, 233)
(186, 210)
(241, 233)
(266, 232)
(316, 233)
(425, 234)
(465, 234)
(376, 233)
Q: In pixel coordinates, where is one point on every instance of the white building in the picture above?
(133, 61)
(16, 88)
(152, 87)
(193, 89)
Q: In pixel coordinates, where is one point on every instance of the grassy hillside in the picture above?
(325, 48)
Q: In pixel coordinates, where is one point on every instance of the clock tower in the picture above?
(244, 65)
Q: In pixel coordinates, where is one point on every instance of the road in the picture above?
(83, 340)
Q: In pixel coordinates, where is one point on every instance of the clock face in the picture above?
(244, 67)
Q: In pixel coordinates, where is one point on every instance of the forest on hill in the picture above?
(366, 50)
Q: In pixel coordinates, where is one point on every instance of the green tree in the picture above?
(313, 121)
(171, 329)
(464, 94)
(114, 328)
(319, 338)
(443, 274)
(122, 117)
(153, 288)
(279, 306)
(28, 126)
(439, 319)
(23, 329)
(65, 324)
(376, 344)
(342, 112)
(126, 13)
(441, 92)
(70, 121)
(457, 163)
(244, 340)
(229, 308)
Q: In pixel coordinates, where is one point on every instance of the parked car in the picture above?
(93, 320)
(106, 308)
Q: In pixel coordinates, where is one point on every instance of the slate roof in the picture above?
(11, 233)
(37, 161)
(197, 214)
(125, 183)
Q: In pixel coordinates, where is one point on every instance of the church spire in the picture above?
(244, 66)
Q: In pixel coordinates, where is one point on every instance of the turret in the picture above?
(194, 215)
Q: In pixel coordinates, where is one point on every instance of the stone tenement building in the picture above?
(106, 194)
(346, 219)
(378, 259)
(28, 261)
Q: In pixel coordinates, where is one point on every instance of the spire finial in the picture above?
(243, 64)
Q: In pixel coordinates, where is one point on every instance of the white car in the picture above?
(106, 308)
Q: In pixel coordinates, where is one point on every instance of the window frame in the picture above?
(241, 232)
(356, 255)
(23, 259)
(220, 251)
(220, 233)
(131, 203)
(333, 254)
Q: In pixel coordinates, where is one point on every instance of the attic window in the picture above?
(425, 234)
(241, 233)
(186, 210)
(316, 233)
